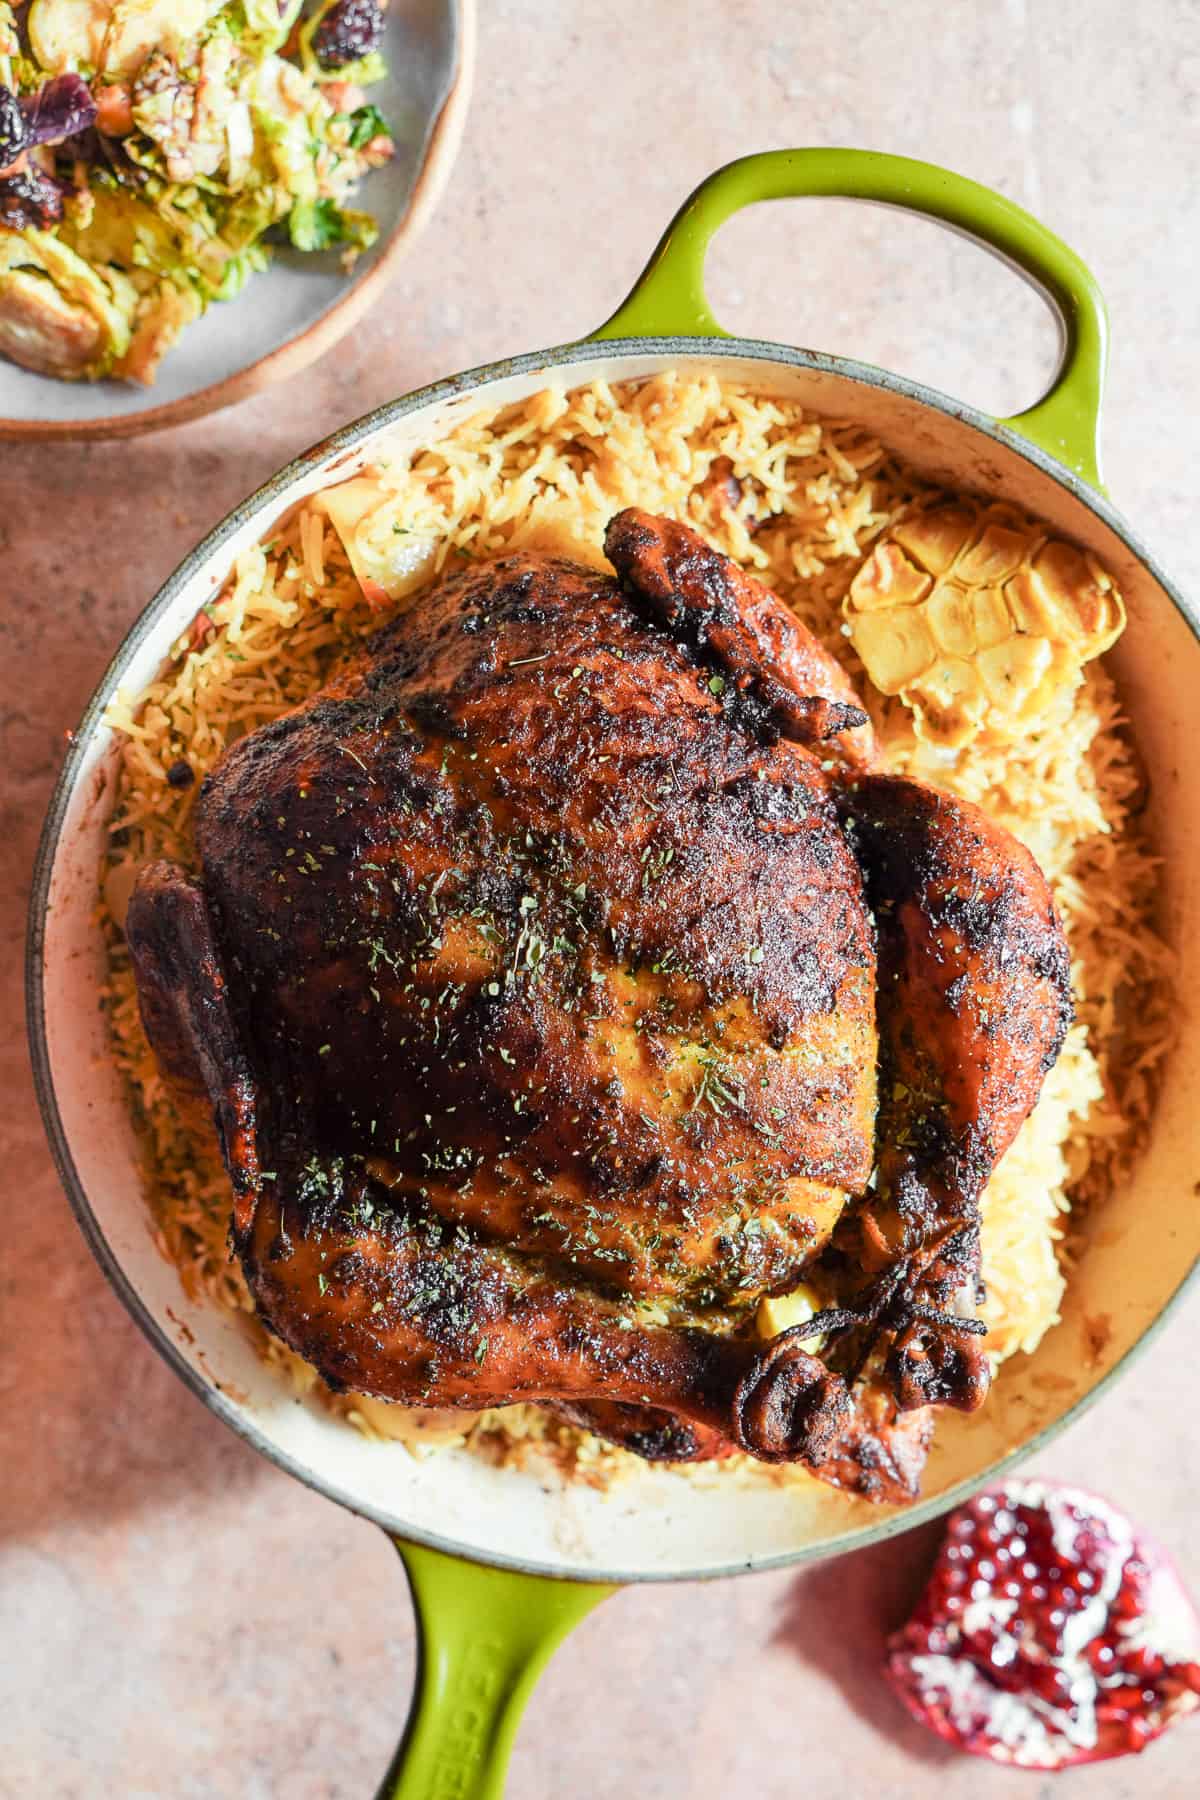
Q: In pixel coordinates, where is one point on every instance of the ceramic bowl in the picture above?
(301, 305)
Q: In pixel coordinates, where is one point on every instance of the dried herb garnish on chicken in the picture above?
(563, 981)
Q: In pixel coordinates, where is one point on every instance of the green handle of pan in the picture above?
(483, 1638)
(669, 298)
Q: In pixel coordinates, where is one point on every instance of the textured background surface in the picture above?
(176, 1618)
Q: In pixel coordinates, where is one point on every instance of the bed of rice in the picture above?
(552, 471)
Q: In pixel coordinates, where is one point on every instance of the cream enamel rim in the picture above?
(328, 452)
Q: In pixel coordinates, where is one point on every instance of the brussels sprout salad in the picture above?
(153, 151)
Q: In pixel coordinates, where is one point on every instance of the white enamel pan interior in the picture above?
(657, 1524)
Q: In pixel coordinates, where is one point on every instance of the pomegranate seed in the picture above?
(1118, 1701)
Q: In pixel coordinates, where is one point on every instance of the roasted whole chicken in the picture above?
(563, 980)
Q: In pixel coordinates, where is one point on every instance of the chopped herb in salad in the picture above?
(153, 151)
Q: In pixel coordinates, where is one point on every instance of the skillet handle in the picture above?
(483, 1638)
(669, 300)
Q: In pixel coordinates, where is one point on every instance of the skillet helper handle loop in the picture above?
(669, 300)
(483, 1637)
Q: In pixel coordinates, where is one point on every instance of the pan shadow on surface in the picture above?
(95, 1422)
(836, 1618)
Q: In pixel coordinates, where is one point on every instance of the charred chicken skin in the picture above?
(563, 980)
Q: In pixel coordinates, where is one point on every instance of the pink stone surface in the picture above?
(176, 1618)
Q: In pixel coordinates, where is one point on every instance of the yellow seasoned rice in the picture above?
(549, 473)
